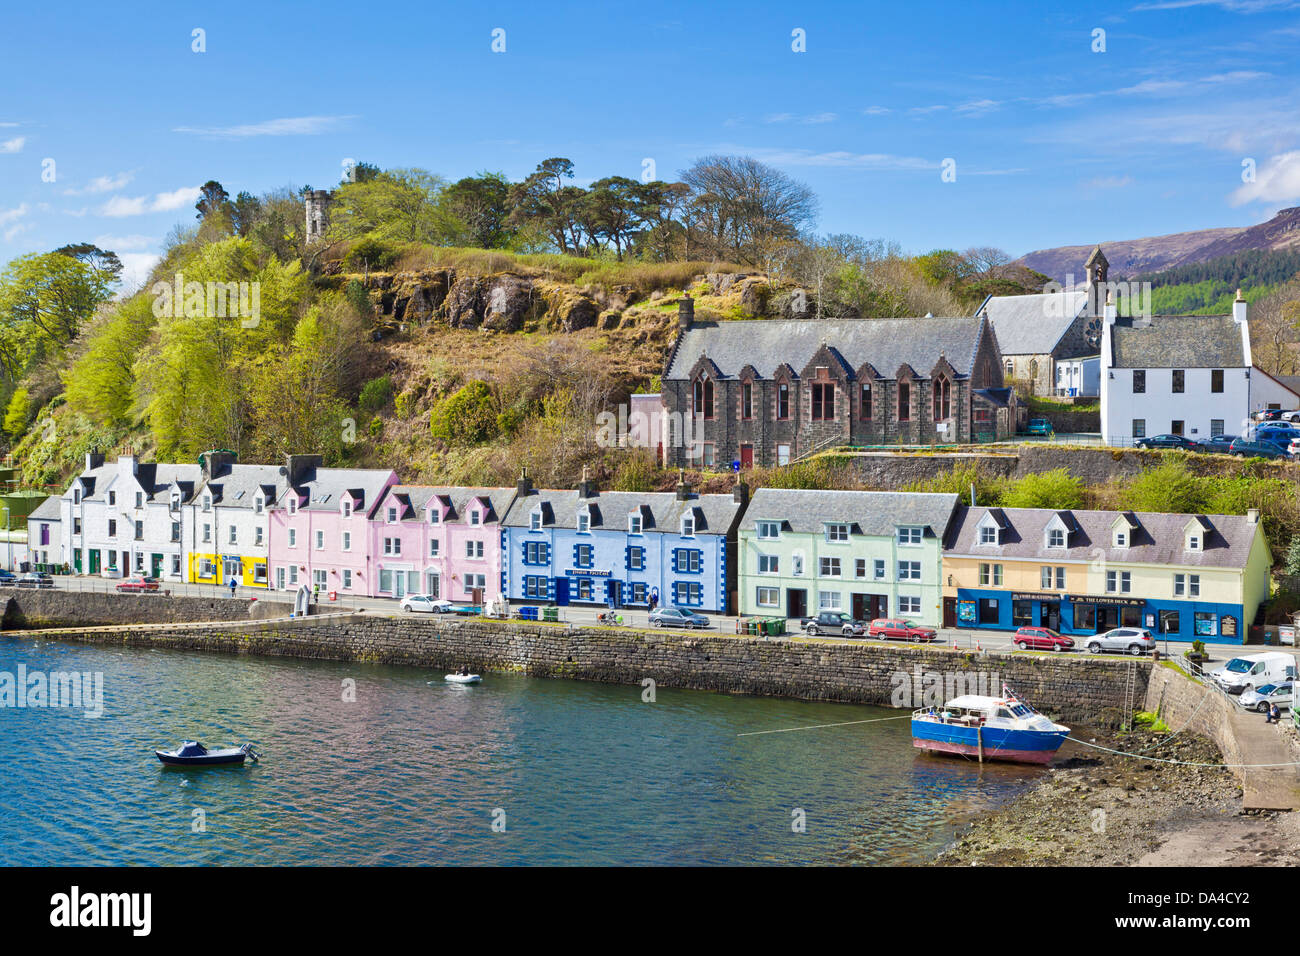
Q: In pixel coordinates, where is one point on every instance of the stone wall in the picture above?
(1184, 704)
(55, 607)
(1086, 690)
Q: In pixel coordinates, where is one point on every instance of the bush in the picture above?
(370, 254)
(988, 488)
(404, 405)
(1169, 487)
(466, 417)
(1056, 489)
(376, 394)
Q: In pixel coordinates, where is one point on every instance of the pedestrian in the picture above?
(232, 587)
(1274, 714)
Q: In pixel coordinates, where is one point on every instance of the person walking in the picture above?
(233, 582)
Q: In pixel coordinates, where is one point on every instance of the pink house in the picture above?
(320, 527)
(444, 542)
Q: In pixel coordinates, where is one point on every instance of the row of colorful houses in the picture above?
(789, 553)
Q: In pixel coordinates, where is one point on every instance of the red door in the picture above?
(746, 456)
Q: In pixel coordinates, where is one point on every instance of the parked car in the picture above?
(1041, 639)
(1262, 448)
(425, 603)
(34, 579)
(1291, 416)
(1254, 670)
(1277, 431)
(1168, 441)
(1269, 415)
(833, 622)
(1218, 444)
(677, 617)
(896, 628)
(1040, 426)
(7, 577)
(138, 583)
(1263, 697)
(1294, 448)
(1134, 640)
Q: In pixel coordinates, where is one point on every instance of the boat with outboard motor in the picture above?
(988, 728)
(194, 754)
(463, 678)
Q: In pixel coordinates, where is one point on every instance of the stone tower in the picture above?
(1098, 267)
(318, 213)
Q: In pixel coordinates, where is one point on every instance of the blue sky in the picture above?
(1053, 143)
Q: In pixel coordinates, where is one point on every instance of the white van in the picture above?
(1254, 670)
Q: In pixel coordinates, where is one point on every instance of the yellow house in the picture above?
(1187, 577)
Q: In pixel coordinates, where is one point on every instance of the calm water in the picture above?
(411, 773)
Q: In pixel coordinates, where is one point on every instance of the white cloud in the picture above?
(101, 184)
(12, 215)
(14, 145)
(1278, 180)
(288, 126)
(818, 118)
(125, 243)
(122, 206)
(804, 157)
(978, 107)
(876, 110)
(136, 267)
(1108, 182)
(1232, 6)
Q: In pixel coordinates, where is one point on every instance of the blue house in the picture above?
(621, 549)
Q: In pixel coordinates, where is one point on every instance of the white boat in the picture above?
(463, 678)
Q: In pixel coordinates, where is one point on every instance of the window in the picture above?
(688, 561)
(634, 524)
(942, 407)
(991, 574)
(1193, 542)
(207, 532)
(176, 564)
(474, 549)
(687, 593)
(988, 535)
(76, 496)
(636, 559)
(783, 454)
(747, 400)
(535, 521)
(983, 415)
(536, 587)
(347, 541)
(433, 547)
(320, 542)
(864, 403)
(783, 401)
(347, 578)
(434, 516)
(479, 581)
(909, 605)
(582, 554)
(1179, 380)
(475, 518)
(259, 573)
(878, 569)
(1139, 381)
(537, 552)
(769, 597)
(347, 507)
(702, 400)
(769, 564)
(234, 537)
(112, 498)
(392, 515)
(391, 545)
(1176, 426)
(1118, 582)
(139, 499)
(769, 530)
(904, 402)
(584, 522)
(1180, 585)
(176, 530)
(1193, 585)
(1047, 578)
(293, 537)
(258, 536)
(823, 402)
(1121, 539)
(139, 531)
(830, 567)
(1139, 428)
(1216, 380)
(837, 532)
(639, 593)
(910, 535)
(828, 600)
(688, 527)
(1216, 427)
(1055, 538)
(292, 501)
(259, 504)
(909, 570)
(860, 568)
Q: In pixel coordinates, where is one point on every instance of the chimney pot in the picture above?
(685, 312)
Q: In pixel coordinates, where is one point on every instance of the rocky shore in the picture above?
(1098, 809)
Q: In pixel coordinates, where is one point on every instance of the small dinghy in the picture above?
(194, 754)
(463, 678)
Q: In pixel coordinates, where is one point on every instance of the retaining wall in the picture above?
(55, 607)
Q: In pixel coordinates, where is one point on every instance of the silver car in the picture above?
(677, 617)
(1261, 697)
(1133, 640)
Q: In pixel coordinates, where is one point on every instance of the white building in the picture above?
(1189, 375)
(228, 536)
(45, 533)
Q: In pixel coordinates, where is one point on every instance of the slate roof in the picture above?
(47, 510)
(1157, 539)
(1178, 341)
(661, 511)
(414, 500)
(871, 512)
(154, 477)
(886, 344)
(236, 486)
(325, 487)
(1033, 324)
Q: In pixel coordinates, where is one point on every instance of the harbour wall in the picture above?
(1093, 691)
(56, 607)
(1185, 705)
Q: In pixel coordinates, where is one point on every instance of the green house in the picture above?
(870, 554)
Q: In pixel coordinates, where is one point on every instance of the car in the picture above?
(1254, 670)
(831, 622)
(7, 577)
(1261, 698)
(1269, 415)
(138, 583)
(1168, 441)
(1275, 430)
(1132, 640)
(677, 617)
(1040, 426)
(34, 579)
(1218, 444)
(1291, 416)
(897, 628)
(1264, 448)
(426, 603)
(1041, 639)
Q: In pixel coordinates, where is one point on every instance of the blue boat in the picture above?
(988, 728)
(194, 754)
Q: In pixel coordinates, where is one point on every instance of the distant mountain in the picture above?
(1129, 257)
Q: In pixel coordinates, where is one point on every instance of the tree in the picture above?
(244, 213)
(16, 414)
(213, 201)
(101, 260)
(742, 204)
(466, 417)
(615, 209)
(543, 199)
(1056, 489)
(397, 205)
(476, 211)
(100, 382)
(44, 299)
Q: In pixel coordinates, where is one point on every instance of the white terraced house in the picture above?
(228, 532)
(127, 517)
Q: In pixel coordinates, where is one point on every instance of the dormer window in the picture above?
(688, 526)
(910, 535)
(1193, 542)
(259, 503)
(837, 532)
(76, 496)
(112, 497)
(347, 507)
(633, 524)
(434, 516)
(1121, 539)
(207, 502)
(392, 515)
(988, 535)
(176, 502)
(1055, 538)
(769, 530)
(535, 521)
(584, 522)
(292, 502)
(476, 517)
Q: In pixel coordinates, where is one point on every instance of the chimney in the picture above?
(127, 464)
(1252, 515)
(524, 486)
(683, 489)
(297, 466)
(740, 493)
(586, 489)
(216, 462)
(1239, 309)
(685, 313)
(94, 460)
(1111, 311)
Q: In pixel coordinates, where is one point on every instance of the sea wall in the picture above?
(1089, 690)
(1185, 705)
(55, 607)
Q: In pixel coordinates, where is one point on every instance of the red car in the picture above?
(138, 582)
(895, 628)
(1041, 639)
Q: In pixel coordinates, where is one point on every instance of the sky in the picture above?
(1021, 125)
